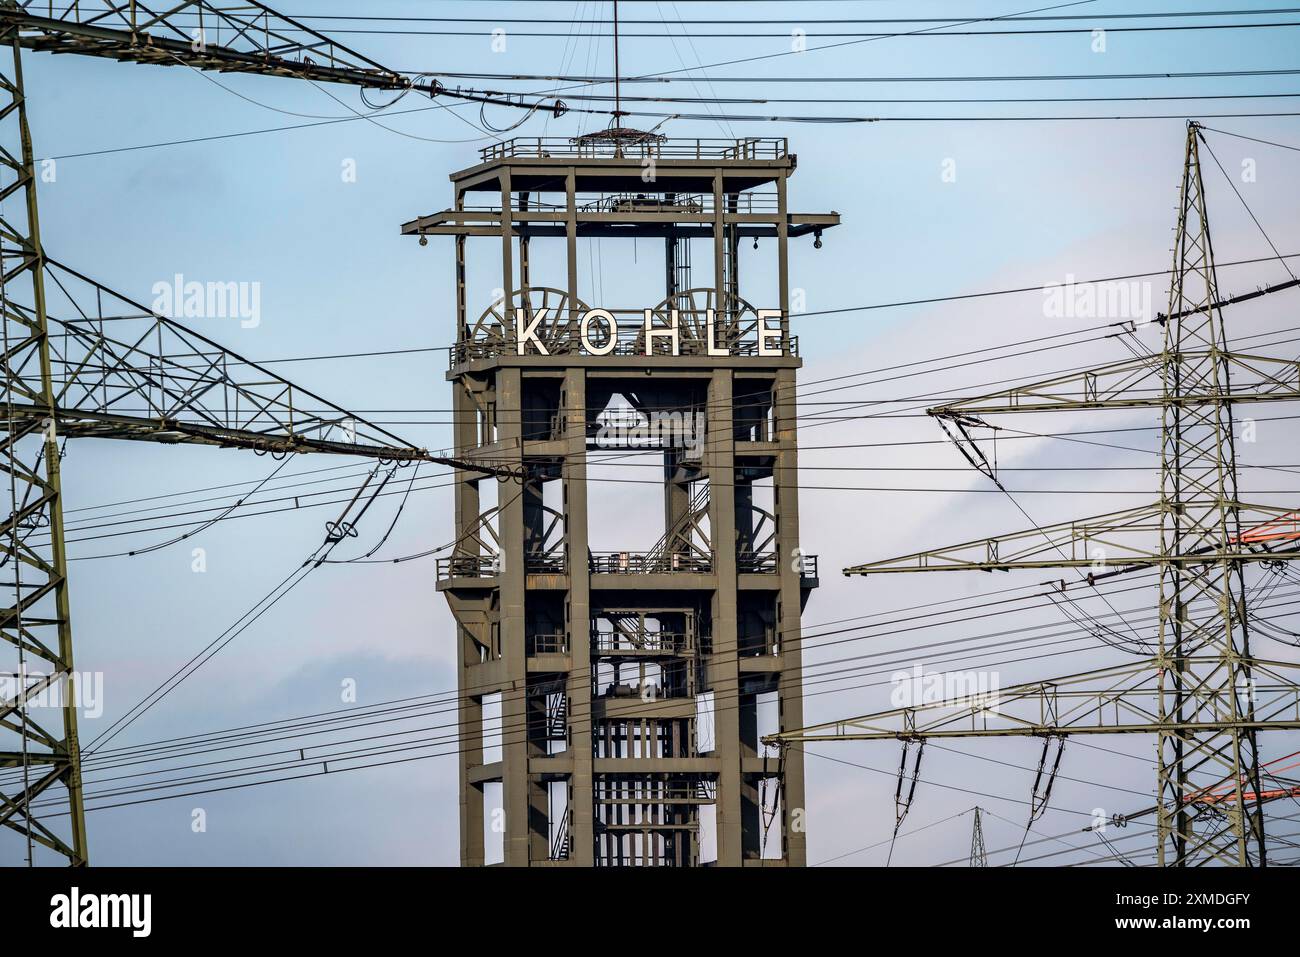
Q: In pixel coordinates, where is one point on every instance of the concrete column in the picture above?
(525, 278)
(723, 668)
(462, 305)
(786, 501)
(783, 257)
(719, 249)
(507, 250)
(579, 615)
(512, 578)
(571, 238)
(469, 718)
(469, 712)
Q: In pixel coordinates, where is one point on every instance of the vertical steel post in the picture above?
(37, 573)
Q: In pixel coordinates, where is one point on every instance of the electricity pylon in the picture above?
(240, 36)
(1202, 693)
(111, 369)
(978, 853)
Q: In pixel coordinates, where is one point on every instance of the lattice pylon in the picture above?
(979, 856)
(35, 624)
(1203, 615)
(1198, 694)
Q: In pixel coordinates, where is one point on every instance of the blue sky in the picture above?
(1031, 202)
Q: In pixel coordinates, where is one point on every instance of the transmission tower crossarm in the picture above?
(1124, 699)
(1231, 300)
(1103, 544)
(1139, 384)
(241, 36)
(1225, 791)
(157, 380)
(78, 423)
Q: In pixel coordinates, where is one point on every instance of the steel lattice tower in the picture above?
(82, 361)
(1202, 694)
(1204, 631)
(978, 853)
(37, 623)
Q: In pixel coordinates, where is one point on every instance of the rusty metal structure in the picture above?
(630, 684)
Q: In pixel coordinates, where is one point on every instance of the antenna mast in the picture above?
(618, 94)
(616, 137)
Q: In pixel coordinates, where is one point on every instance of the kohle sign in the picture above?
(598, 333)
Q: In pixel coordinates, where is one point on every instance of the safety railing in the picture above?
(549, 564)
(646, 563)
(808, 567)
(619, 563)
(750, 202)
(761, 563)
(548, 643)
(650, 691)
(645, 641)
(767, 563)
(488, 566)
(545, 147)
(468, 566)
(747, 203)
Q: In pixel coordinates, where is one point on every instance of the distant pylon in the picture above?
(978, 855)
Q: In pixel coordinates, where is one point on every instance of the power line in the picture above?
(891, 368)
(818, 34)
(881, 78)
(1255, 219)
(204, 744)
(427, 487)
(911, 623)
(911, 619)
(336, 532)
(315, 761)
(326, 758)
(840, 310)
(815, 415)
(592, 97)
(710, 118)
(597, 18)
(1253, 139)
(761, 398)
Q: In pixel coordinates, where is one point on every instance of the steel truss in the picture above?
(80, 360)
(242, 36)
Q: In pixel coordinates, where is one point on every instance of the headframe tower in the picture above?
(631, 684)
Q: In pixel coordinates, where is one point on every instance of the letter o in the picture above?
(583, 329)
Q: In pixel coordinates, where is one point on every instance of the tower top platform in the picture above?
(634, 184)
(604, 163)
